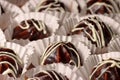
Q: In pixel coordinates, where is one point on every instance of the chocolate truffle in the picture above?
(53, 5)
(102, 7)
(106, 70)
(64, 52)
(30, 29)
(95, 30)
(1, 10)
(10, 63)
(48, 75)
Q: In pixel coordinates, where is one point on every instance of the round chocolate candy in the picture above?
(95, 30)
(10, 63)
(48, 75)
(106, 70)
(30, 29)
(51, 5)
(102, 7)
(64, 52)
(54, 5)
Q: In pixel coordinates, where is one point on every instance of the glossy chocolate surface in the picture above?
(31, 29)
(10, 63)
(106, 70)
(95, 30)
(64, 52)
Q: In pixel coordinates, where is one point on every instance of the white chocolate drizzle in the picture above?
(52, 74)
(38, 24)
(113, 64)
(13, 68)
(111, 8)
(54, 46)
(97, 35)
(48, 7)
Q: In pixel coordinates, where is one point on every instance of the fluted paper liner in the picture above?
(6, 77)
(71, 5)
(2, 36)
(65, 70)
(50, 21)
(93, 60)
(5, 21)
(23, 52)
(114, 44)
(19, 3)
(41, 45)
(10, 8)
(69, 24)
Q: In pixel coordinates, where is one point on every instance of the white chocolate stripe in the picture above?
(45, 72)
(101, 3)
(53, 47)
(49, 48)
(16, 65)
(9, 71)
(11, 54)
(113, 64)
(49, 6)
(95, 37)
(5, 62)
(40, 26)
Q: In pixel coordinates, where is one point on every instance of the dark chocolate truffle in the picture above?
(48, 75)
(30, 29)
(95, 30)
(102, 7)
(10, 63)
(52, 5)
(106, 70)
(64, 52)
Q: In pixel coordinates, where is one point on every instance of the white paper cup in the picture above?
(69, 24)
(65, 70)
(19, 3)
(41, 45)
(23, 52)
(10, 8)
(93, 60)
(50, 21)
(71, 5)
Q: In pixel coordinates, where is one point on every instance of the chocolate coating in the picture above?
(50, 5)
(53, 5)
(106, 70)
(102, 7)
(30, 29)
(48, 75)
(95, 30)
(10, 63)
(61, 52)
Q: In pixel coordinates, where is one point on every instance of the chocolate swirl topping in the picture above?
(50, 5)
(48, 75)
(102, 7)
(64, 52)
(10, 63)
(95, 30)
(106, 70)
(31, 29)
